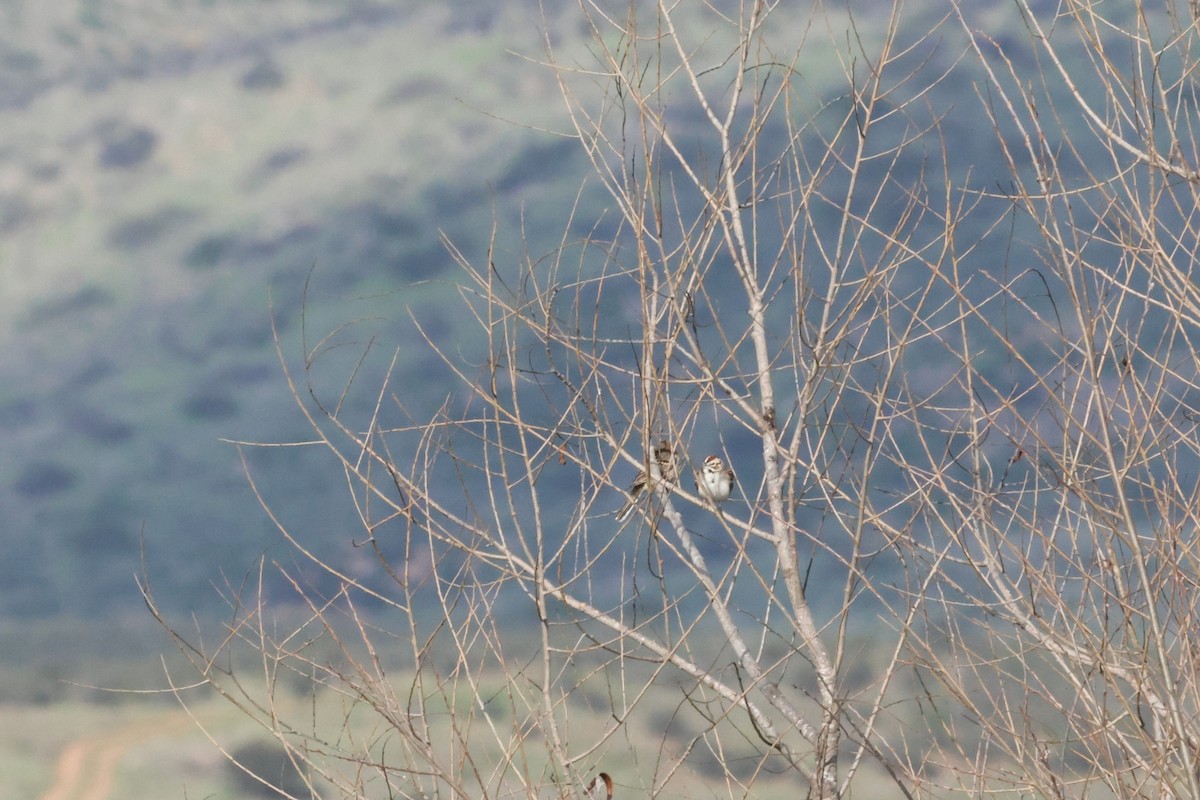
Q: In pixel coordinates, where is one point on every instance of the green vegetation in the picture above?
(185, 181)
(189, 194)
(182, 181)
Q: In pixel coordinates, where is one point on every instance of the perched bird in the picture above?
(664, 466)
(715, 480)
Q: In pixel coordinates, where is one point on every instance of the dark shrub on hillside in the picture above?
(269, 762)
(14, 210)
(14, 59)
(263, 76)
(45, 478)
(538, 163)
(209, 404)
(423, 263)
(244, 333)
(280, 160)
(99, 426)
(85, 299)
(127, 146)
(98, 538)
(420, 88)
(244, 373)
(147, 229)
(209, 251)
(18, 412)
(96, 370)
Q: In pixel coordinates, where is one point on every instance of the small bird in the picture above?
(664, 461)
(715, 480)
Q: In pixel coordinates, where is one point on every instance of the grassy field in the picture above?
(114, 706)
(148, 750)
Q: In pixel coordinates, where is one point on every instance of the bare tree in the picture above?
(1077, 551)
(961, 553)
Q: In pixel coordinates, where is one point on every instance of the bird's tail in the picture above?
(590, 791)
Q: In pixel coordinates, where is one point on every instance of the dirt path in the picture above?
(86, 768)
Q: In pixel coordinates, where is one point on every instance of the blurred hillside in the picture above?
(175, 182)
(172, 181)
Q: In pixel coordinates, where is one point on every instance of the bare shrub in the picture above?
(961, 553)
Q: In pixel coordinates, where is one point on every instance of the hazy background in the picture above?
(175, 178)
(178, 179)
(172, 178)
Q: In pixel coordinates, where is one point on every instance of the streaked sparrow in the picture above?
(663, 469)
